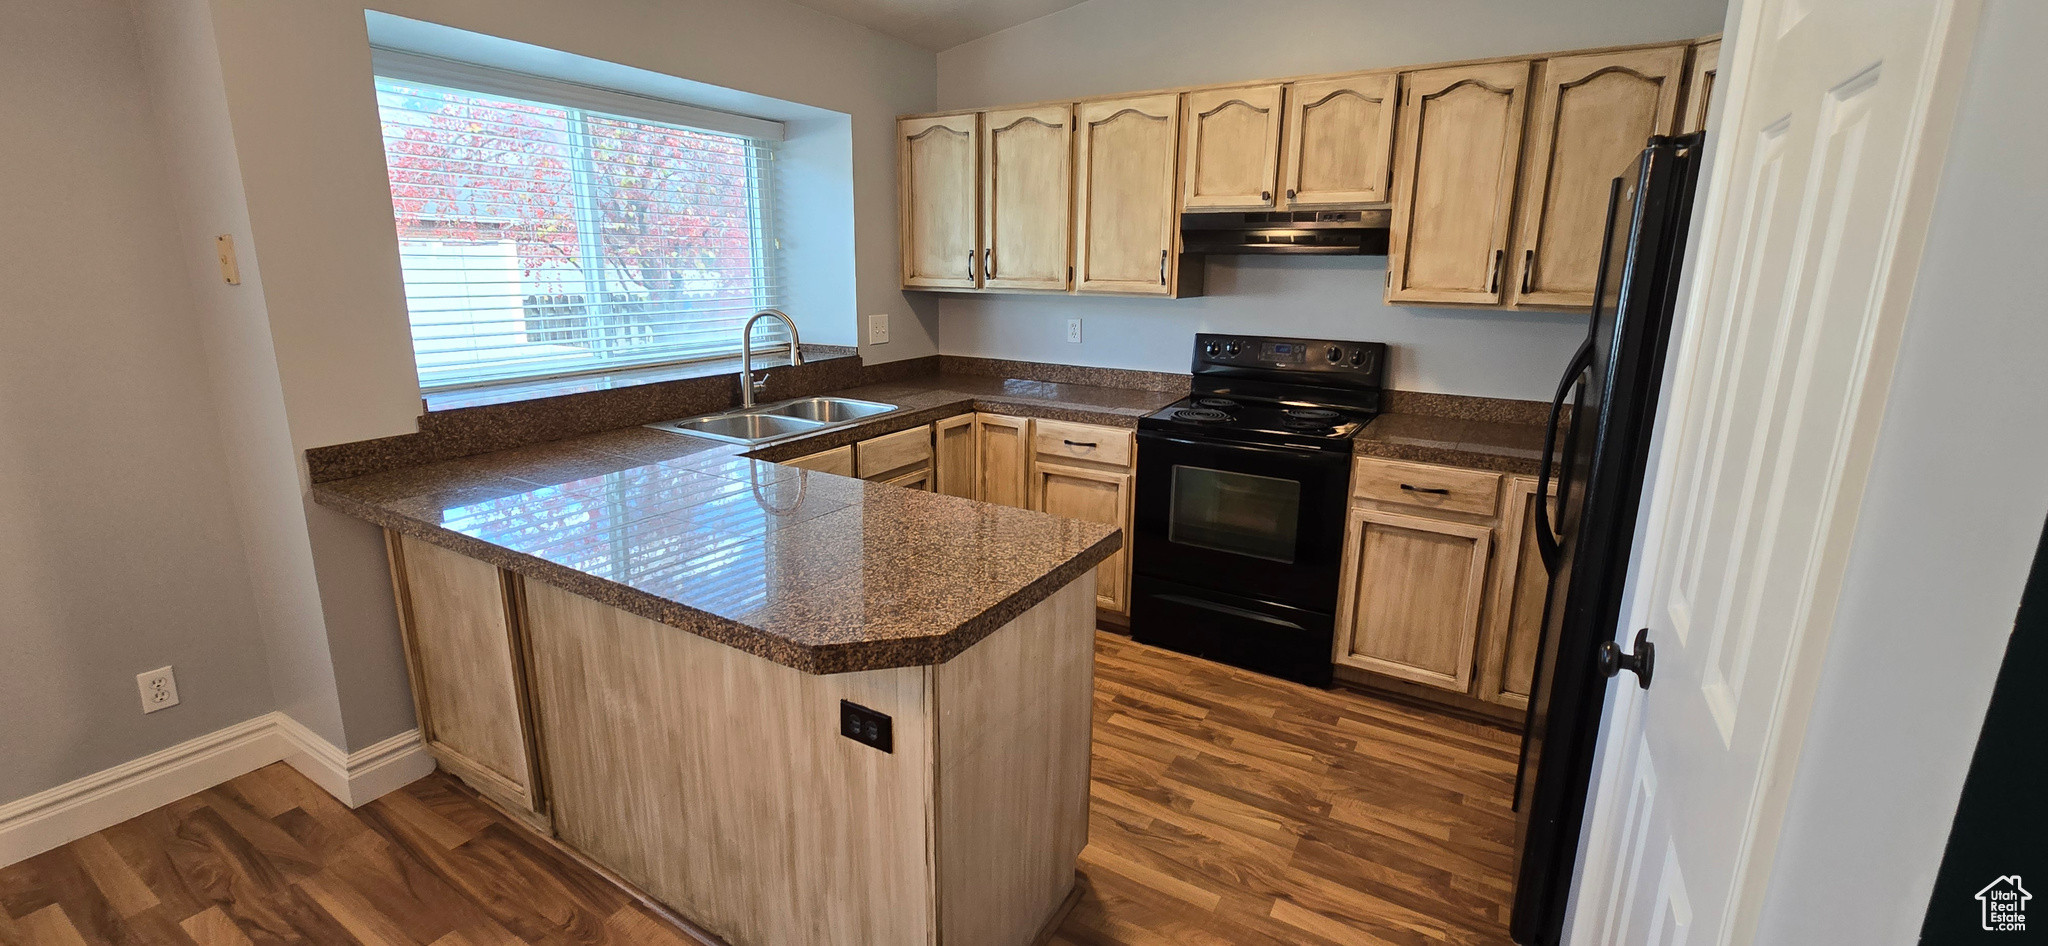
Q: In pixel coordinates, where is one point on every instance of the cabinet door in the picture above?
(1005, 448)
(956, 465)
(467, 658)
(1589, 118)
(1699, 86)
(1027, 180)
(1124, 220)
(918, 479)
(1409, 605)
(836, 460)
(936, 162)
(1232, 151)
(1097, 496)
(1514, 610)
(1454, 182)
(884, 457)
(1340, 141)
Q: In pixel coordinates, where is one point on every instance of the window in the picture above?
(547, 229)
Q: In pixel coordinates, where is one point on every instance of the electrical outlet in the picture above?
(867, 727)
(159, 689)
(878, 329)
(1074, 330)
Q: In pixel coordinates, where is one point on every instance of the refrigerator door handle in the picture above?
(1546, 536)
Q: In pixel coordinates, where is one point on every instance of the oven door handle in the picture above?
(1227, 609)
(1281, 449)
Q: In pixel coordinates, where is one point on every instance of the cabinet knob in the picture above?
(1290, 193)
(1266, 195)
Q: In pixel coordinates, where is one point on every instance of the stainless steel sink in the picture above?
(776, 421)
(743, 428)
(828, 410)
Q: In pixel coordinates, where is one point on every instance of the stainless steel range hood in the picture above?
(1288, 232)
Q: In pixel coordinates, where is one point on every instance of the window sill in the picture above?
(528, 390)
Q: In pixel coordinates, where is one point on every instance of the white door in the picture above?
(1822, 177)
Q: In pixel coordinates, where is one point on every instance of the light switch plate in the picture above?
(1074, 330)
(878, 329)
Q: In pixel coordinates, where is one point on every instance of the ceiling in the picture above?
(938, 24)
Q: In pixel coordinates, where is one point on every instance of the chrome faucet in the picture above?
(748, 383)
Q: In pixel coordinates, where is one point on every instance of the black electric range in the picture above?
(1241, 496)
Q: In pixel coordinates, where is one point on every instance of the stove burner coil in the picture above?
(1221, 403)
(1200, 415)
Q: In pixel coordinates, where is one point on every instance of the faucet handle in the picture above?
(759, 381)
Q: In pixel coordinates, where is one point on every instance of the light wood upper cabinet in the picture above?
(1699, 86)
(1340, 141)
(1027, 183)
(1590, 117)
(1454, 182)
(1232, 148)
(465, 651)
(1125, 225)
(937, 162)
(1409, 605)
(1514, 611)
(1005, 453)
(956, 459)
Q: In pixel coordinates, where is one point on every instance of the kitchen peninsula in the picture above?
(797, 707)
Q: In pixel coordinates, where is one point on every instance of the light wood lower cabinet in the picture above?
(1514, 609)
(836, 460)
(1411, 605)
(466, 654)
(1085, 471)
(955, 464)
(903, 458)
(1003, 448)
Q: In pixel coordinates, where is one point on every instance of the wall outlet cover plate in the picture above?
(159, 689)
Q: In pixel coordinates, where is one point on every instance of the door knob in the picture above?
(1642, 663)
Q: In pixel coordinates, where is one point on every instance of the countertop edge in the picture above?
(821, 659)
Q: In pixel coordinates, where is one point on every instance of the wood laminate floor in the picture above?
(1228, 808)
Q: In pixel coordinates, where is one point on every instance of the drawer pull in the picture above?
(1072, 443)
(1426, 489)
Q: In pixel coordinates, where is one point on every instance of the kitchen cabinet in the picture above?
(937, 163)
(1004, 451)
(1460, 145)
(1231, 155)
(1409, 605)
(1588, 120)
(461, 622)
(1514, 609)
(1340, 141)
(1085, 471)
(1700, 86)
(904, 458)
(1027, 189)
(1126, 229)
(956, 465)
(836, 460)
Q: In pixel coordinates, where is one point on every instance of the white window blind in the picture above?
(543, 238)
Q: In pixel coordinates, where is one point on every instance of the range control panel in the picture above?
(1290, 354)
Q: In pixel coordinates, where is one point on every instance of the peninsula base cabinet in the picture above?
(1442, 591)
(722, 784)
(466, 654)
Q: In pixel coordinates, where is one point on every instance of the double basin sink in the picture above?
(767, 422)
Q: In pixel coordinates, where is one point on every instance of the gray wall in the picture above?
(1955, 503)
(119, 545)
(1109, 46)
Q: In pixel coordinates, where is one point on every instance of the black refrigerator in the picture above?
(1597, 467)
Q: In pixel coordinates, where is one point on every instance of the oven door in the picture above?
(1263, 522)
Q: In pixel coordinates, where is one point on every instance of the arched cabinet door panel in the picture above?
(1340, 142)
(1232, 148)
(1027, 186)
(936, 161)
(1454, 183)
(1125, 224)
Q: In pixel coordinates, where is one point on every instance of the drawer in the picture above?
(1061, 440)
(893, 451)
(1426, 485)
(836, 460)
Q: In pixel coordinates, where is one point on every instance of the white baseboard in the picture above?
(60, 815)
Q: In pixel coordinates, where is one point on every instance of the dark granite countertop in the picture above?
(822, 573)
(1499, 446)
